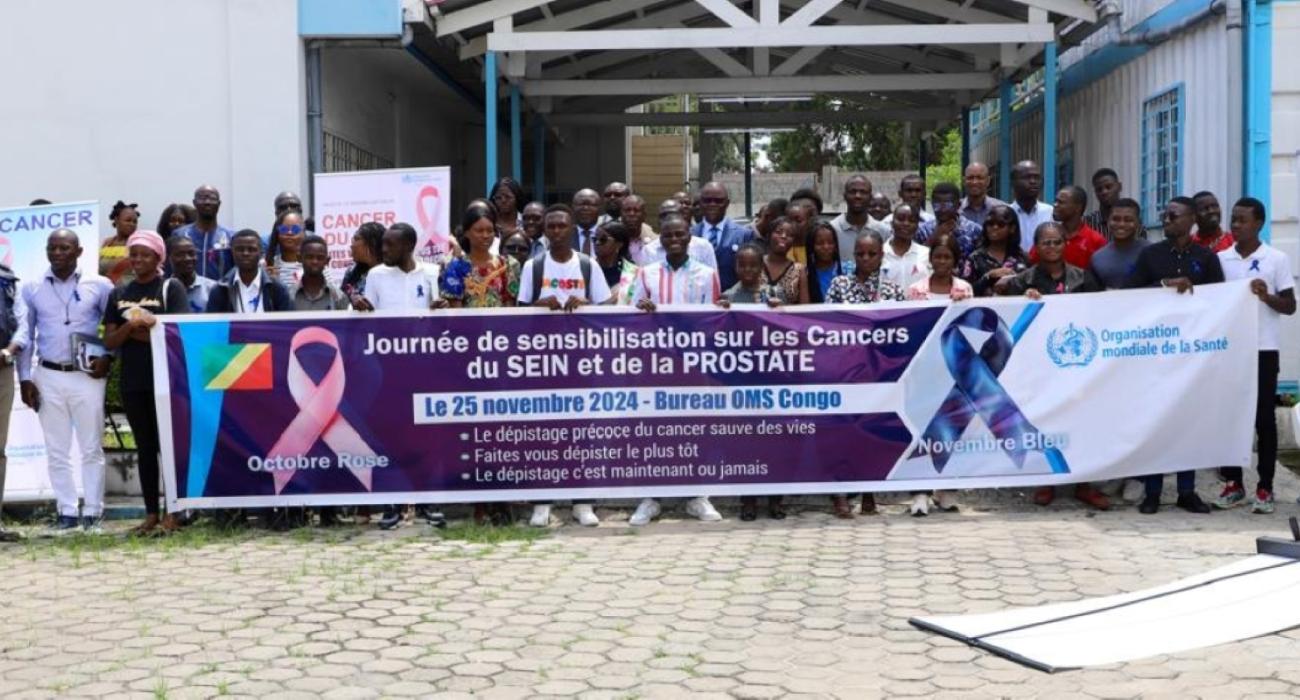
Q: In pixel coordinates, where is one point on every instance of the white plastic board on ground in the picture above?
(1260, 596)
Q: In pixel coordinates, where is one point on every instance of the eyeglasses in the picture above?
(291, 230)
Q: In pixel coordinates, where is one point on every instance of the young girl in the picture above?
(113, 261)
(750, 287)
(779, 269)
(824, 253)
(283, 257)
(941, 283)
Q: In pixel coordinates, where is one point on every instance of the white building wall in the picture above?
(146, 100)
(1103, 121)
(387, 103)
(1285, 203)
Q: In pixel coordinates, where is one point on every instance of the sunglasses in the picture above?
(291, 230)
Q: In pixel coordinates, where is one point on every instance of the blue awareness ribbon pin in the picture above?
(976, 390)
(1254, 265)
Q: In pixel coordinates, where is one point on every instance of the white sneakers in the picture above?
(946, 500)
(700, 508)
(541, 515)
(920, 505)
(647, 510)
(583, 513)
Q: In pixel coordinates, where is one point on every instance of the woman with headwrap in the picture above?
(128, 317)
(113, 262)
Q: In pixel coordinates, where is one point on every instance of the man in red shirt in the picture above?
(1209, 231)
(1081, 240)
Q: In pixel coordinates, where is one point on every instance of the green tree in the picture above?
(855, 145)
(945, 161)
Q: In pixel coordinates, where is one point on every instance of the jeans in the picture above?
(1155, 483)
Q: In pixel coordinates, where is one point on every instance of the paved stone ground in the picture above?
(811, 607)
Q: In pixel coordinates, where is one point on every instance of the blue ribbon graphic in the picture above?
(976, 390)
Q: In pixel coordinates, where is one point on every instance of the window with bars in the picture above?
(1162, 152)
(343, 156)
(1064, 166)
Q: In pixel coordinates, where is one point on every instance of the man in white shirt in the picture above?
(402, 283)
(906, 261)
(562, 280)
(698, 249)
(1269, 272)
(1027, 185)
(677, 280)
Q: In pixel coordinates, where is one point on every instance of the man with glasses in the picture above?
(210, 238)
(531, 220)
(948, 220)
(1179, 263)
(720, 231)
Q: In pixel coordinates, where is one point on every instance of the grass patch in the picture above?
(489, 534)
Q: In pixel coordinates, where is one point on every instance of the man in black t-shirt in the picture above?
(1179, 263)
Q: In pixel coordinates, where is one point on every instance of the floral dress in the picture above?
(788, 281)
(977, 266)
(847, 289)
(481, 287)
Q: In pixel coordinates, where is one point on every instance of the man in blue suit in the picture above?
(725, 235)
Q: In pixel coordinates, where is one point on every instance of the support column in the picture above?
(1049, 121)
(516, 137)
(1004, 140)
(1259, 107)
(490, 122)
(965, 139)
(315, 125)
(539, 158)
(749, 178)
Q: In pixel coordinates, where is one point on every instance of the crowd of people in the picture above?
(602, 248)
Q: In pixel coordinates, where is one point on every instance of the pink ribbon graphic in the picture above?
(319, 416)
(428, 216)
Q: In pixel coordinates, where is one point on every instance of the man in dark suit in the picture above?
(726, 236)
(586, 217)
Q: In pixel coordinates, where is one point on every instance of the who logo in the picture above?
(1072, 346)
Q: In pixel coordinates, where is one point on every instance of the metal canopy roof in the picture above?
(921, 60)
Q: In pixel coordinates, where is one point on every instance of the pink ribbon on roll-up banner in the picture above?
(318, 417)
(435, 243)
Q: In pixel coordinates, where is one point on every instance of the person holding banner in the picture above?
(1179, 263)
(131, 313)
(366, 254)
(1052, 275)
(779, 270)
(613, 254)
(940, 284)
(562, 280)
(998, 253)
(402, 283)
(864, 286)
(63, 310)
(679, 281)
(9, 311)
(1269, 272)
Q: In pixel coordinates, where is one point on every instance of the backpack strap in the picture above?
(537, 264)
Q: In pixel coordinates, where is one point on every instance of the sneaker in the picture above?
(700, 508)
(1150, 505)
(1233, 495)
(920, 505)
(585, 515)
(65, 525)
(946, 501)
(92, 525)
(1263, 504)
(391, 518)
(541, 515)
(1192, 503)
(431, 516)
(1044, 495)
(646, 510)
(1134, 491)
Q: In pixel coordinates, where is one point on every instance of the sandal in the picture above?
(148, 528)
(170, 524)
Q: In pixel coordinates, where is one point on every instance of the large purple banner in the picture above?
(532, 405)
